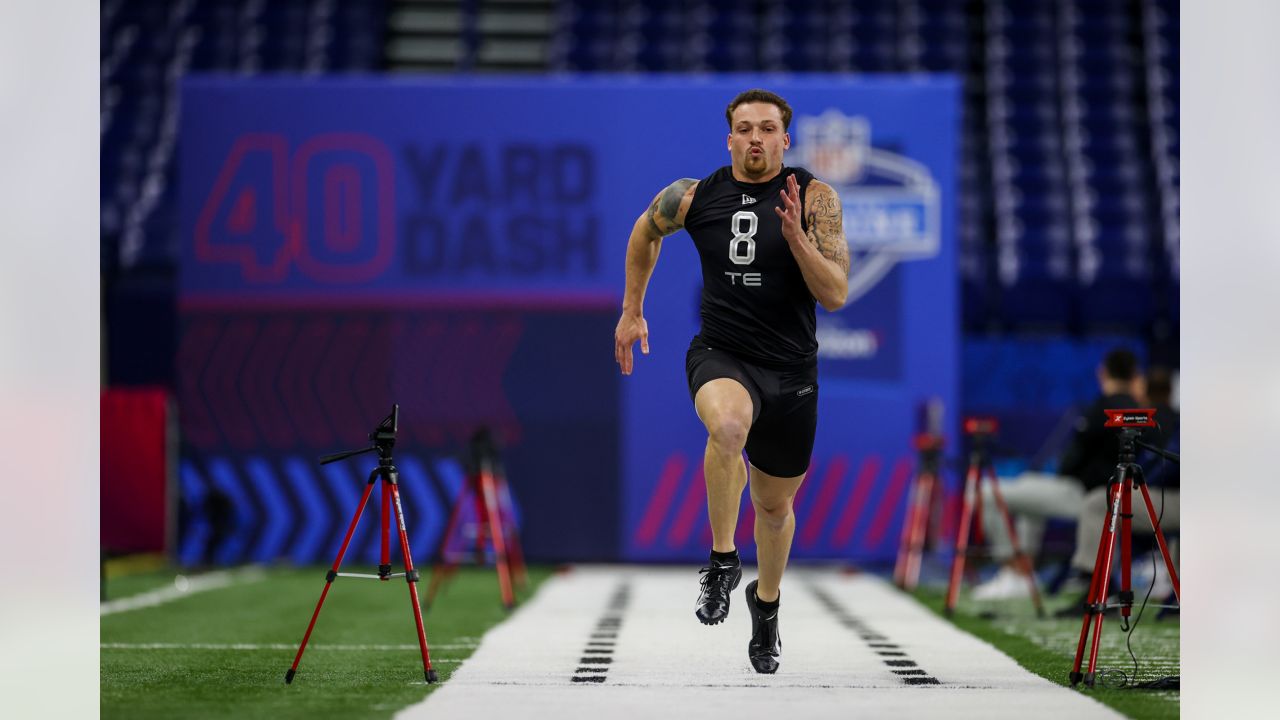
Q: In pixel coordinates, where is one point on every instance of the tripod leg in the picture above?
(384, 569)
(411, 578)
(515, 553)
(919, 529)
(328, 581)
(482, 515)
(443, 568)
(908, 527)
(1095, 580)
(979, 534)
(506, 509)
(1020, 558)
(1126, 547)
(1164, 547)
(494, 521)
(1098, 604)
(520, 572)
(920, 532)
(962, 537)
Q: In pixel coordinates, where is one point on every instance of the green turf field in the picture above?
(224, 652)
(1047, 647)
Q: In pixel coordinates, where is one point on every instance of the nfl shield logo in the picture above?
(890, 201)
(834, 146)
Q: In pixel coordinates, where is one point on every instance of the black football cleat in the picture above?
(766, 643)
(718, 580)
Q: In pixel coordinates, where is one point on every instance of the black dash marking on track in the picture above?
(594, 666)
(882, 646)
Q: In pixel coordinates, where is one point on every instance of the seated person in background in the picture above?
(1162, 478)
(1087, 463)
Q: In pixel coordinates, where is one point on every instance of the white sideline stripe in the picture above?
(663, 660)
(193, 585)
(273, 646)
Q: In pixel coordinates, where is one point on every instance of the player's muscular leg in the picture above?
(775, 526)
(725, 408)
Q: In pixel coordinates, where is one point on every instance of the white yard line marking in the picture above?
(272, 646)
(664, 661)
(183, 587)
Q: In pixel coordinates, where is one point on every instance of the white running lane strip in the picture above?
(632, 632)
(183, 587)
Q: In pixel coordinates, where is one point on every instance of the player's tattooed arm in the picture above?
(665, 215)
(825, 219)
(667, 211)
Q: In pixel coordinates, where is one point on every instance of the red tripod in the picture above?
(925, 491)
(384, 438)
(980, 469)
(486, 487)
(1120, 508)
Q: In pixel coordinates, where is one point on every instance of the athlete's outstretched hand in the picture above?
(790, 211)
(630, 328)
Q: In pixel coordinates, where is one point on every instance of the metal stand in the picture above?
(925, 490)
(981, 470)
(486, 486)
(1128, 474)
(384, 438)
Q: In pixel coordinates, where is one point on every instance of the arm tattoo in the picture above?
(825, 218)
(662, 213)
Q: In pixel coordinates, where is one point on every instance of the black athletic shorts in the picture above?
(784, 413)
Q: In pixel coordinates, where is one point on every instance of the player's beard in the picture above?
(755, 164)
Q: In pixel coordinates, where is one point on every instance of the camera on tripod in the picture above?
(1118, 528)
(1131, 418)
(979, 426)
(383, 438)
(1131, 423)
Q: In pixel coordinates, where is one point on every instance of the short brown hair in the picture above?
(1121, 364)
(762, 96)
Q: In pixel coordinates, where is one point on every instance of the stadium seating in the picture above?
(1069, 169)
(149, 45)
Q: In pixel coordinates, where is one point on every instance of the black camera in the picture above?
(976, 425)
(1131, 418)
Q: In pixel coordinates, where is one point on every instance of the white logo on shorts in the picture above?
(804, 391)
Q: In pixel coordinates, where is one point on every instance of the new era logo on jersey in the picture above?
(747, 200)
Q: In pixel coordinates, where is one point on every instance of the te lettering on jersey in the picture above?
(747, 279)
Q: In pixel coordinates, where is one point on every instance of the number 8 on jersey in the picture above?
(740, 238)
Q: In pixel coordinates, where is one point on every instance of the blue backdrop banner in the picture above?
(458, 245)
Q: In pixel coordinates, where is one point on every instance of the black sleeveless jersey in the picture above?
(755, 303)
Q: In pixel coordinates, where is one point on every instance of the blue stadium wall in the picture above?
(457, 247)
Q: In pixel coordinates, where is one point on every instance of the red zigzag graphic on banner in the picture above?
(679, 503)
(291, 381)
